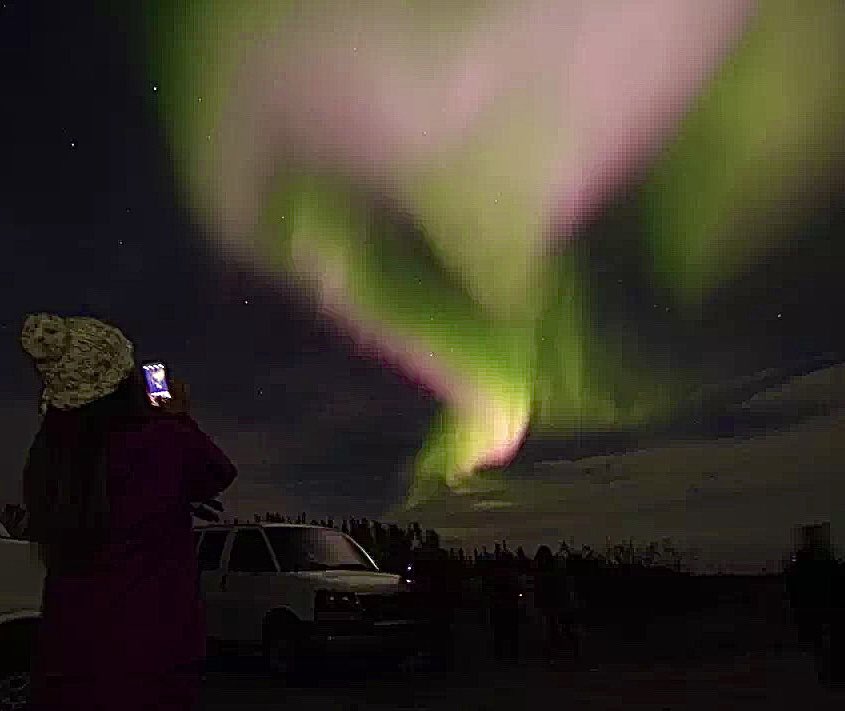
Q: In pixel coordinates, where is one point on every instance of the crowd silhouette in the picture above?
(574, 589)
(566, 591)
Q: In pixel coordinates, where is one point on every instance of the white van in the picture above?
(21, 585)
(297, 592)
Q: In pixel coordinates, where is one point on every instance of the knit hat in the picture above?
(80, 359)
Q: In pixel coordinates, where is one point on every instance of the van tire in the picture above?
(16, 640)
(282, 646)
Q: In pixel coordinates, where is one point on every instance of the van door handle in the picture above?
(223, 583)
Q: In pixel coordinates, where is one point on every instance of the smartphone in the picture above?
(155, 377)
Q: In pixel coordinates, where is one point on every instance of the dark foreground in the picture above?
(742, 654)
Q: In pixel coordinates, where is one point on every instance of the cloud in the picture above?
(819, 392)
(491, 505)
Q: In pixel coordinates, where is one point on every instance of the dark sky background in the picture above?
(90, 224)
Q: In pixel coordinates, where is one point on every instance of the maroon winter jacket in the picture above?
(134, 606)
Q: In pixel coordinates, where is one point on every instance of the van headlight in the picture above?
(332, 604)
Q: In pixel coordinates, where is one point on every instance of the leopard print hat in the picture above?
(80, 359)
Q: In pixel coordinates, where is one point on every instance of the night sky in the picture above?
(89, 216)
(92, 223)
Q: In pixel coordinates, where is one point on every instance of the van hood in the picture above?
(358, 581)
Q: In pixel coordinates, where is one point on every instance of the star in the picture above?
(155, 88)
(780, 315)
(120, 242)
(72, 144)
(246, 301)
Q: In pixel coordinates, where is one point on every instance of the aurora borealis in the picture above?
(430, 172)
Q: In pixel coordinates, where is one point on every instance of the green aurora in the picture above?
(506, 316)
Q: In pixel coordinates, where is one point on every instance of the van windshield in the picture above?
(299, 549)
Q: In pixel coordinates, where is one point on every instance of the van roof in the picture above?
(227, 526)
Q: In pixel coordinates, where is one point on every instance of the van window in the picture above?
(250, 553)
(211, 549)
(316, 549)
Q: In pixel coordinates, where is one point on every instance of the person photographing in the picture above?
(109, 484)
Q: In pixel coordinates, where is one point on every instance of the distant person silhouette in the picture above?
(441, 579)
(816, 587)
(555, 600)
(503, 594)
(108, 483)
(548, 600)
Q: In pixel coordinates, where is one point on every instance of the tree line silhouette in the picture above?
(393, 545)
